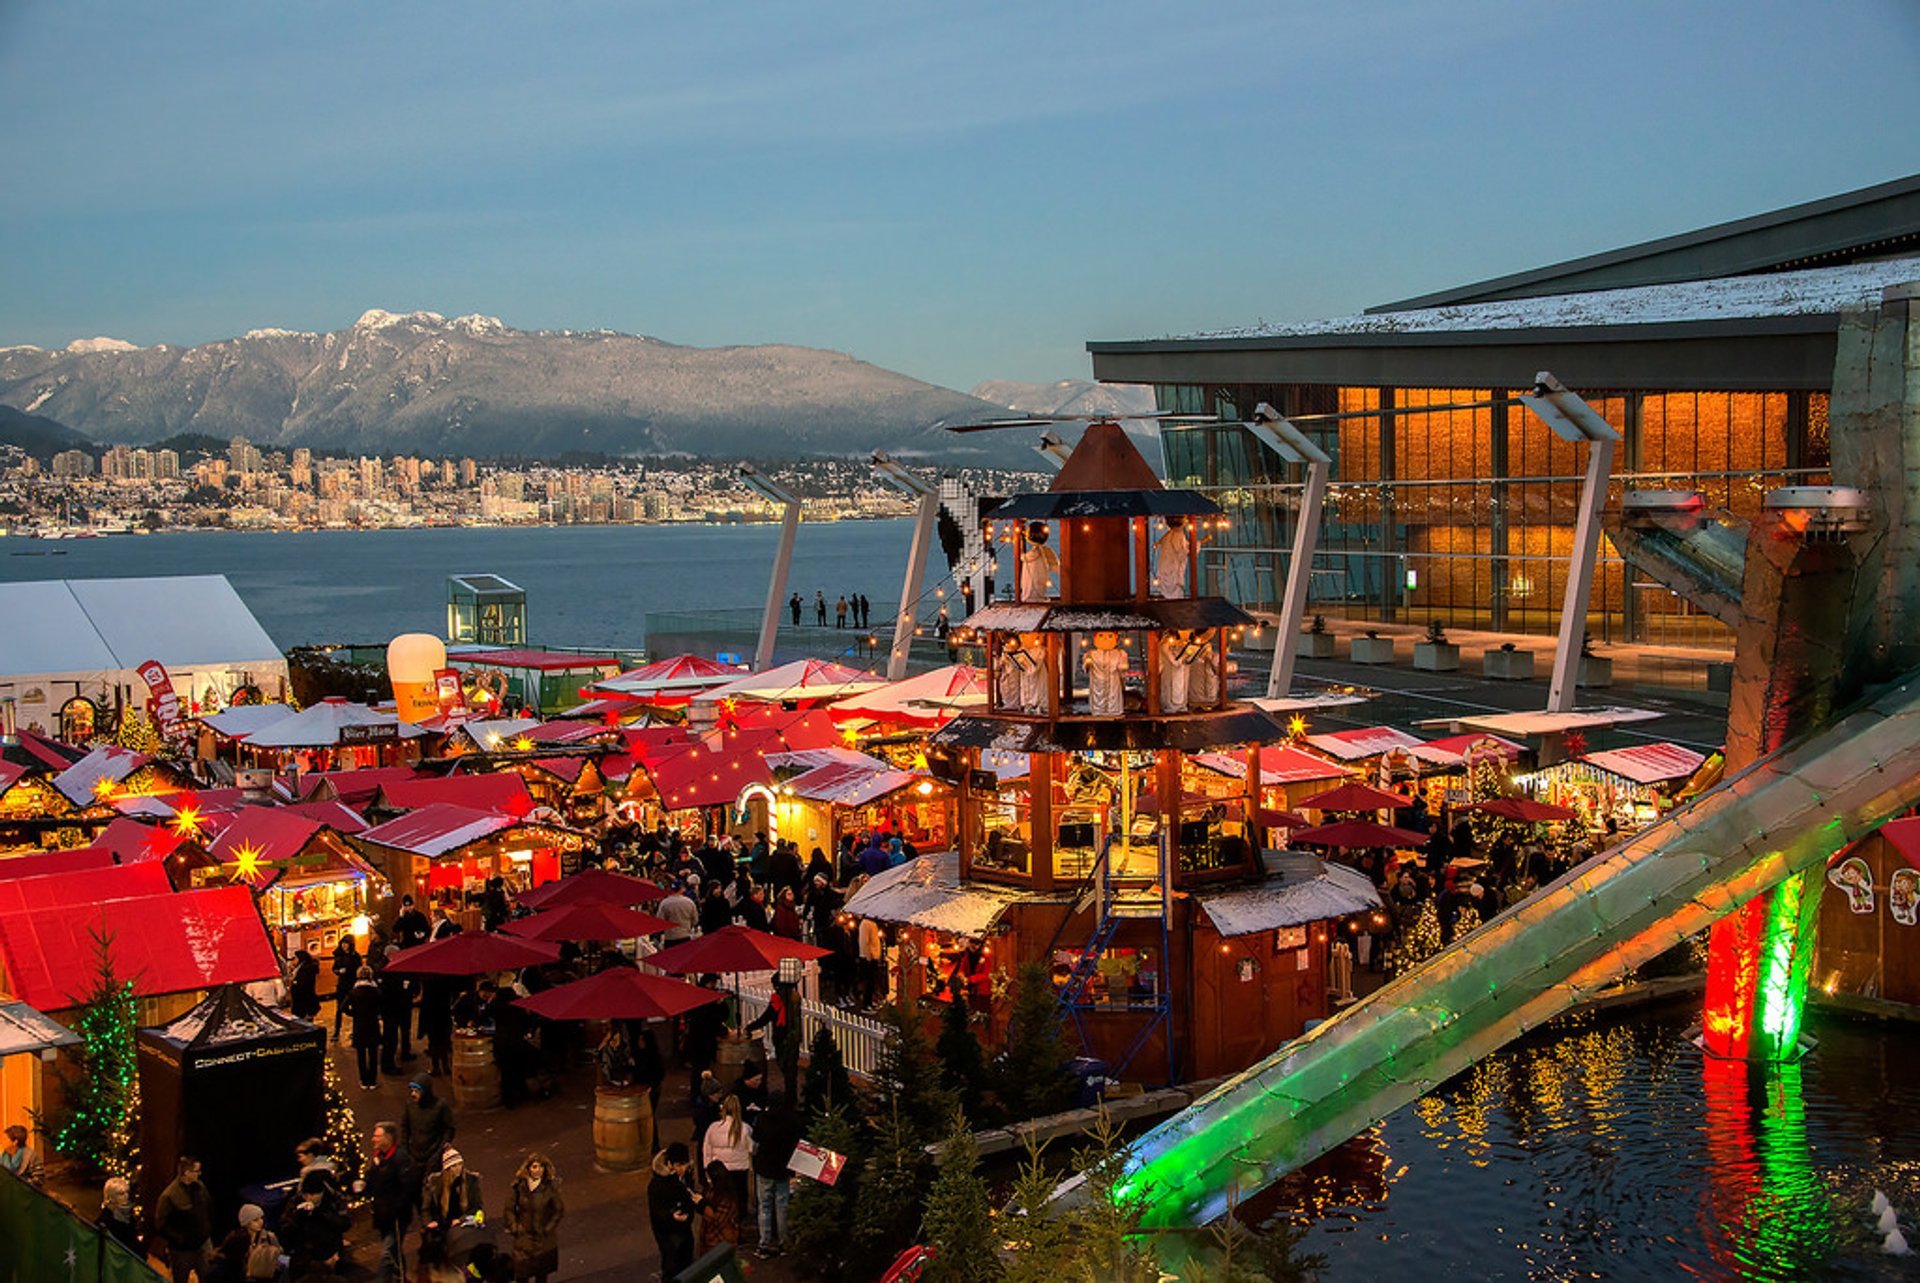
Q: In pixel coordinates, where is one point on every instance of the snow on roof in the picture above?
(1648, 763)
(243, 720)
(1455, 750)
(24, 1030)
(809, 758)
(1550, 723)
(109, 763)
(848, 783)
(807, 679)
(1307, 889)
(1370, 741)
(927, 892)
(1817, 291)
(319, 725)
(437, 828)
(1279, 764)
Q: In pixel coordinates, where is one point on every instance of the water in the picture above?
(586, 585)
(1611, 1151)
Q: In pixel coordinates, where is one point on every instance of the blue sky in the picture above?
(957, 191)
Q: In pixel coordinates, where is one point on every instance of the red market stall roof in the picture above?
(1279, 764)
(41, 864)
(571, 732)
(710, 774)
(929, 699)
(1648, 763)
(561, 768)
(58, 892)
(82, 782)
(1458, 750)
(501, 791)
(131, 841)
(271, 833)
(610, 709)
(1369, 741)
(162, 944)
(337, 816)
(545, 661)
(1903, 835)
(669, 683)
(437, 828)
(11, 773)
(792, 730)
(41, 753)
(803, 679)
(355, 788)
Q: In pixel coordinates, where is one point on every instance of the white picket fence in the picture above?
(860, 1038)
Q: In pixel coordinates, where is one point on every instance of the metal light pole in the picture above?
(761, 485)
(914, 486)
(1574, 420)
(1271, 429)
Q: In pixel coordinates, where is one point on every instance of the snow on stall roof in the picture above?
(23, 1029)
(1307, 889)
(927, 892)
(1815, 292)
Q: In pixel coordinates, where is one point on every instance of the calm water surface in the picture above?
(586, 585)
(1611, 1151)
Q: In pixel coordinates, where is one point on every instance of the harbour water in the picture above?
(586, 585)
(1613, 1151)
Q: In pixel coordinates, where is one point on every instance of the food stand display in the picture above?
(443, 854)
(1632, 786)
(819, 795)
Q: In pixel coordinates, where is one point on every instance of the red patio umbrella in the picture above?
(732, 949)
(593, 886)
(1282, 819)
(1356, 797)
(1521, 809)
(588, 922)
(619, 993)
(1358, 833)
(471, 953)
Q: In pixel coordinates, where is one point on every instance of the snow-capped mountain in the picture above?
(417, 382)
(1068, 396)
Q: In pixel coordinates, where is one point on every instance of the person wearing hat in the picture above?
(450, 1201)
(250, 1250)
(426, 1129)
(671, 1207)
(313, 1227)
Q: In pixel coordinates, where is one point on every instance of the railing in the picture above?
(860, 1038)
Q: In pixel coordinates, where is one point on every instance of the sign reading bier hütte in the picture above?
(166, 704)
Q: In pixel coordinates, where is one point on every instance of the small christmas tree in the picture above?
(137, 732)
(959, 1224)
(342, 1131)
(907, 1081)
(962, 1062)
(820, 1218)
(893, 1189)
(100, 1127)
(827, 1086)
(1035, 1077)
(1416, 943)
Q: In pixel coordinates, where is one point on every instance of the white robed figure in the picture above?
(1106, 666)
(1173, 671)
(1030, 657)
(1039, 565)
(1203, 673)
(1170, 557)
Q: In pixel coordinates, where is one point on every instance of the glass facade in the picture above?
(1458, 505)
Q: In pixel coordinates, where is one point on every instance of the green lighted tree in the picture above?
(342, 1130)
(100, 1125)
(1415, 943)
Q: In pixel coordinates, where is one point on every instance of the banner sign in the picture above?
(822, 1165)
(166, 704)
(371, 733)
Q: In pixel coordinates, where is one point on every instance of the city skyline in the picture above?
(955, 197)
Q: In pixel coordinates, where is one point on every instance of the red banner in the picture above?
(166, 705)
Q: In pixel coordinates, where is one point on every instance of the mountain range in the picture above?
(420, 383)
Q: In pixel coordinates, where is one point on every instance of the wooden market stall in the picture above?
(1631, 786)
(443, 854)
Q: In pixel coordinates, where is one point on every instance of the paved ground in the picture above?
(605, 1235)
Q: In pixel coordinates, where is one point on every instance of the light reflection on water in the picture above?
(1615, 1151)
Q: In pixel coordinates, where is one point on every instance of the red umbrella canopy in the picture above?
(594, 886)
(1522, 809)
(1356, 797)
(619, 993)
(732, 949)
(471, 953)
(1282, 819)
(1358, 833)
(588, 922)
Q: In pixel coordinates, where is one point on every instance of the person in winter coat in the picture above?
(363, 1004)
(248, 1239)
(720, 1214)
(313, 1227)
(753, 910)
(346, 970)
(774, 1138)
(426, 1129)
(396, 1012)
(729, 1142)
(715, 911)
(671, 1207)
(303, 987)
(449, 1201)
(786, 916)
(783, 866)
(21, 1158)
(532, 1218)
(183, 1220)
(436, 1023)
(389, 1189)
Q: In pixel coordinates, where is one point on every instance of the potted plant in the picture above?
(1595, 670)
(1435, 654)
(1371, 649)
(1507, 663)
(1317, 642)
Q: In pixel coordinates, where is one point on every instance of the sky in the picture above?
(956, 191)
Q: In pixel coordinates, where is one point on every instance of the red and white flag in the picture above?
(166, 704)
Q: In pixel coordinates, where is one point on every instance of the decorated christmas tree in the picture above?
(343, 1131)
(137, 732)
(100, 1127)
(1416, 943)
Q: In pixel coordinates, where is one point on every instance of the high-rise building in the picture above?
(73, 463)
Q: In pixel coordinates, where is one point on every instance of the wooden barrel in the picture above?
(622, 1128)
(735, 1051)
(476, 1080)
